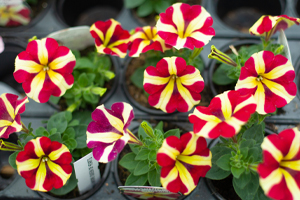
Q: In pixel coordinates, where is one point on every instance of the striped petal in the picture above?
(183, 162)
(44, 164)
(279, 173)
(225, 115)
(45, 69)
(11, 108)
(108, 133)
(268, 25)
(185, 26)
(145, 39)
(269, 79)
(14, 15)
(110, 37)
(173, 85)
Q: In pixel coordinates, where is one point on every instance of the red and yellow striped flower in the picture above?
(225, 115)
(108, 133)
(145, 39)
(44, 164)
(279, 173)
(173, 85)
(110, 37)
(14, 15)
(185, 26)
(183, 162)
(45, 69)
(11, 108)
(270, 79)
(268, 25)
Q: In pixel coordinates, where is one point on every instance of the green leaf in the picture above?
(90, 97)
(256, 153)
(75, 122)
(256, 133)
(142, 154)
(83, 80)
(76, 54)
(136, 180)
(40, 131)
(109, 75)
(133, 3)
(175, 132)
(137, 78)
(128, 161)
(216, 173)
(219, 76)
(58, 121)
(68, 115)
(161, 6)
(141, 168)
(160, 126)
(98, 91)
(80, 136)
(54, 99)
(52, 131)
(68, 187)
(247, 143)
(260, 195)
(145, 9)
(134, 148)
(249, 191)
(224, 162)
(69, 133)
(154, 178)
(70, 143)
(12, 159)
(84, 117)
(236, 172)
(218, 151)
(243, 180)
(83, 63)
(56, 137)
(152, 155)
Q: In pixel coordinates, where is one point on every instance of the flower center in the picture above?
(259, 78)
(46, 68)
(45, 159)
(174, 76)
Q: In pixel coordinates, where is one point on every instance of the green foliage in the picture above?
(141, 162)
(90, 74)
(32, 2)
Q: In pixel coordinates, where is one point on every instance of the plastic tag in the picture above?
(87, 173)
(76, 38)
(10, 2)
(148, 192)
(1, 45)
(283, 41)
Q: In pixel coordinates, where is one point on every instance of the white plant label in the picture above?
(10, 2)
(283, 41)
(87, 172)
(1, 45)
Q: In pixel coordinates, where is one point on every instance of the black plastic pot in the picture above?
(87, 194)
(77, 13)
(45, 8)
(241, 15)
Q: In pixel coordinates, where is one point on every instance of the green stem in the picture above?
(24, 128)
(195, 53)
(253, 167)
(73, 106)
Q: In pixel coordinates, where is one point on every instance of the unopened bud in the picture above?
(220, 56)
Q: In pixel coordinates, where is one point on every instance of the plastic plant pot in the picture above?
(77, 13)
(297, 78)
(241, 15)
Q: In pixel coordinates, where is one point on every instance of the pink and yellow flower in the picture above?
(268, 25)
(225, 115)
(279, 173)
(183, 162)
(11, 108)
(173, 85)
(14, 15)
(44, 164)
(45, 69)
(270, 79)
(110, 37)
(145, 39)
(108, 133)
(185, 26)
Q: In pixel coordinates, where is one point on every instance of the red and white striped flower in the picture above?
(183, 162)
(145, 39)
(10, 110)
(14, 15)
(173, 85)
(110, 37)
(225, 115)
(108, 134)
(185, 26)
(44, 164)
(45, 69)
(270, 79)
(268, 25)
(279, 173)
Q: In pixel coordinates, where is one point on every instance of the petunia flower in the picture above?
(10, 110)
(45, 69)
(225, 115)
(268, 25)
(44, 164)
(145, 39)
(173, 85)
(270, 79)
(108, 134)
(185, 26)
(110, 37)
(279, 173)
(14, 15)
(183, 162)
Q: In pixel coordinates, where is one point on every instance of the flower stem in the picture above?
(234, 139)
(195, 53)
(73, 106)
(24, 128)
(253, 167)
